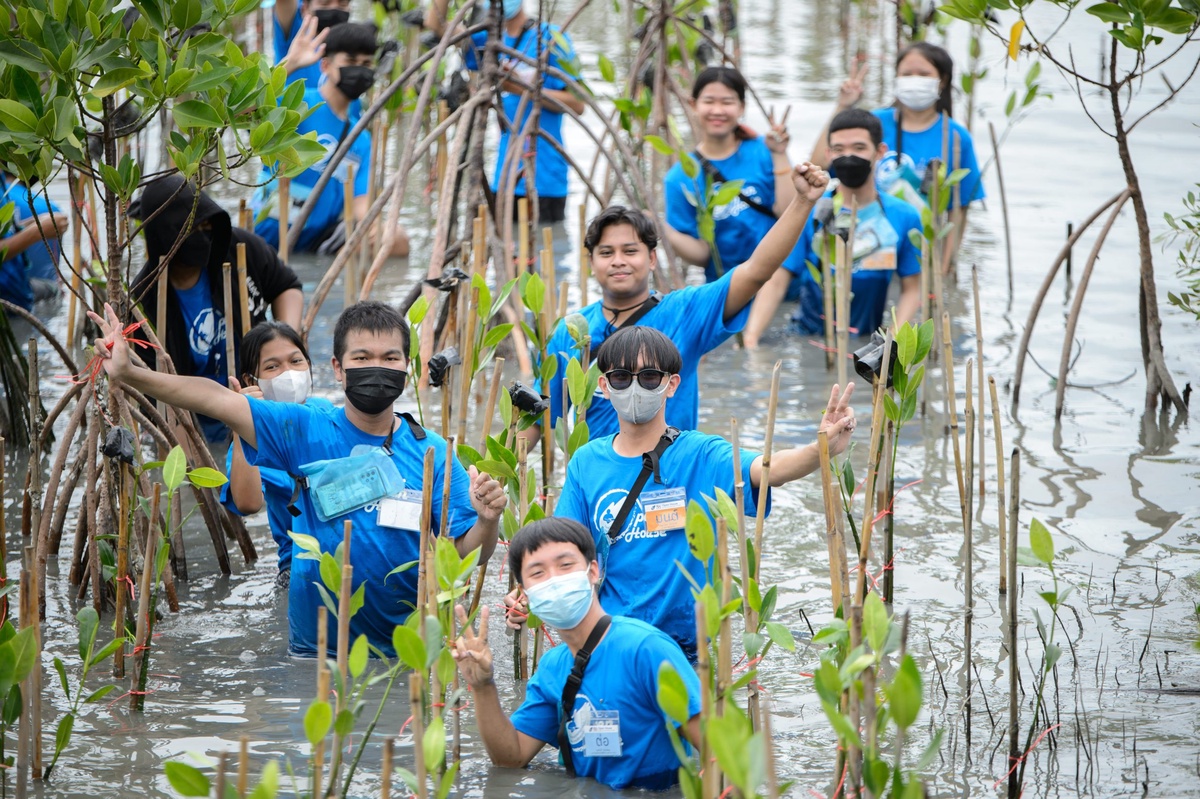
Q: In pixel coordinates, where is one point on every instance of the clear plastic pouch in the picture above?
(344, 485)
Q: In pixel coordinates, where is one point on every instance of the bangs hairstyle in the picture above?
(731, 79)
(254, 341)
(623, 349)
(642, 225)
(369, 317)
(551, 530)
(853, 118)
(942, 62)
(352, 38)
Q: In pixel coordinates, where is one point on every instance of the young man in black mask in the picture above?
(361, 463)
(348, 71)
(197, 322)
(300, 30)
(882, 247)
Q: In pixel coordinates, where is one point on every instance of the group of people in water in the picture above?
(602, 571)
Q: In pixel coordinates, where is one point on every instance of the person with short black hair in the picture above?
(300, 28)
(883, 245)
(30, 246)
(616, 733)
(636, 515)
(621, 244)
(348, 70)
(361, 463)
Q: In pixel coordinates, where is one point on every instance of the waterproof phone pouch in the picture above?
(344, 485)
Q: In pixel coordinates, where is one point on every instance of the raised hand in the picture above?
(838, 422)
(516, 608)
(250, 391)
(111, 348)
(471, 651)
(810, 181)
(851, 90)
(777, 136)
(487, 495)
(307, 47)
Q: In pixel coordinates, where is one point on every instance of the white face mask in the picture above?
(294, 386)
(917, 92)
(636, 404)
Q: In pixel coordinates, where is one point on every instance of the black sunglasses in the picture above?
(621, 379)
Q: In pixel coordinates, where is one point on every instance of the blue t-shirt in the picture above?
(310, 74)
(550, 167)
(738, 228)
(621, 678)
(882, 248)
(640, 576)
(205, 326)
(327, 212)
(919, 148)
(692, 317)
(38, 260)
(277, 486)
(290, 436)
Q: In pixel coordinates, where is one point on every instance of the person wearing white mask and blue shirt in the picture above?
(277, 369)
(523, 34)
(632, 489)
(616, 733)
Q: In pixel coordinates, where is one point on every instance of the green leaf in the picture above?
(931, 751)
(875, 622)
(660, 144)
(89, 623)
(186, 780)
(728, 191)
(1040, 542)
(579, 436)
(607, 71)
(100, 693)
(317, 721)
(24, 653)
(728, 737)
(174, 469)
(1172, 20)
(358, 656)
(343, 725)
(331, 573)
(115, 79)
(196, 114)
(409, 647)
(906, 694)
(1053, 653)
(62, 676)
(205, 477)
(62, 736)
(701, 537)
(268, 783)
(906, 345)
(309, 546)
(841, 725)
(753, 643)
(494, 336)
(1109, 12)
(497, 469)
(109, 648)
(672, 694)
(435, 744)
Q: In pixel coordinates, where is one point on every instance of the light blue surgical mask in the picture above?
(562, 601)
(511, 8)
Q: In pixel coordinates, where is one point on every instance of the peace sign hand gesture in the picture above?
(838, 421)
(471, 651)
(777, 137)
(851, 90)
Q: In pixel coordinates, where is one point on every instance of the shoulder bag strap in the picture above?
(571, 690)
(716, 175)
(645, 308)
(649, 466)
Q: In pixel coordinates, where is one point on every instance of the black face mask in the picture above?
(852, 170)
(328, 17)
(195, 250)
(373, 389)
(353, 81)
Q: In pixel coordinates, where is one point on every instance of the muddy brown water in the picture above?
(1118, 490)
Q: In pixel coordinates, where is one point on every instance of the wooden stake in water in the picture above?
(467, 369)
(1000, 503)
(724, 642)
(322, 693)
(827, 291)
(842, 314)
(285, 207)
(145, 621)
(426, 533)
(350, 272)
(416, 700)
(952, 414)
(829, 490)
(1014, 711)
(744, 557)
(230, 346)
(243, 290)
(343, 638)
(386, 767)
(874, 451)
(122, 570)
(160, 325)
(490, 409)
(584, 263)
(523, 263)
(76, 187)
(710, 772)
(979, 379)
(968, 548)
(243, 785)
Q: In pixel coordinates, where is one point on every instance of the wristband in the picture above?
(787, 171)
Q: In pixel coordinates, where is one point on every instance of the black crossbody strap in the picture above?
(716, 175)
(649, 466)
(571, 690)
(645, 308)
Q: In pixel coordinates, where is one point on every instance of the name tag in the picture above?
(665, 510)
(602, 735)
(402, 511)
(882, 259)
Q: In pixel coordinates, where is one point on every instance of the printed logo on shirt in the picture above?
(586, 718)
(893, 166)
(207, 331)
(607, 508)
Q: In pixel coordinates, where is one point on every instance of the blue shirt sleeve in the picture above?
(362, 178)
(278, 426)
(226, 496)
(908, 257)
(681, 211)
(537, 716)
(703, 318)
(797, 261)
(571, 503)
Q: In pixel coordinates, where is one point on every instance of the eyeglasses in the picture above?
(621, 379)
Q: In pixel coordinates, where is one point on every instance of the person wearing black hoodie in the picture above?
(195, 330)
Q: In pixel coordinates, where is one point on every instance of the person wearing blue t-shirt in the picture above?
(616, 733)
(726, 151)
(639, 369)
(622, 247)
(300, 29)
(348, 67)
(276, 368)
(361, 464)
(882, 244)
(524, 35)
(29, 248)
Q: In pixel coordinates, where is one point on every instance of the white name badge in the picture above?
(665, 509)
(402, 511)
(602, 735)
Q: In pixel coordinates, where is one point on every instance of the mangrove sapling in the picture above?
(89, 625)
(1187, 259)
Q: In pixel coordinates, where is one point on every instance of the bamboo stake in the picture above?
(285, 206)
(221, 758)
(322, 692)
(979, 379)
(160, 325)
(548, 264)
(443, 110)
(386, 768)
(122, 571)
(724, 644)
(523, 263)
(350, 280)
(850, 702)
(828, 491)
(842, 280)
(343, 617)
(416, 686)
(1014, 712)
(145, 623)
(874, 453)
(710, 771)
(827, 290)
(952, 413)
(24, 730)
(75, 183)
(230, 348)
(765, 473)
(243, 778)
(968, 547)
(1000, 506)
(243, 291)
(520, 641)
(426, 534)
(469, 344)
(241, 217)
(35, 674)
(490, 410)
(584, 263)
(748, 613)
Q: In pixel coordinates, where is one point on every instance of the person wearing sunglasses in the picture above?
(639, 371)
(622, 248)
